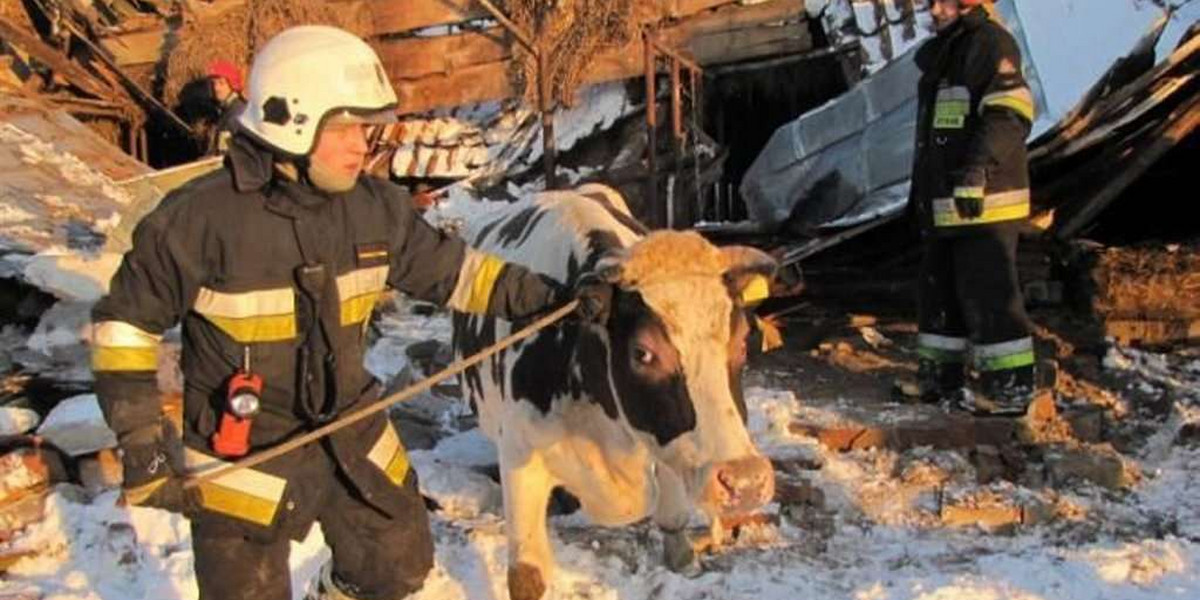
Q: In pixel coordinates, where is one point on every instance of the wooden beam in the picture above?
(1179, 124)
(136, 47)
(715, 37)
(417, 57)
(398, 16)
(50, 57)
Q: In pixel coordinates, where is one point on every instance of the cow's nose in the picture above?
(742, 485)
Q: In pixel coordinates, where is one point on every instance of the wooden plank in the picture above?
(398, 16)
(57, 62)
(732, 46)
(718, 38)
(409, 58)
(395, 16)
(417, 57)
(683, 8)
(135, 48)
(1177, 126)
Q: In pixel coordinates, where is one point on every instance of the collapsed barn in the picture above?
(784, 124)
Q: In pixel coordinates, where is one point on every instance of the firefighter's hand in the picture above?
(969, 192)
(595, 299)
(152, 457)
(968, 207)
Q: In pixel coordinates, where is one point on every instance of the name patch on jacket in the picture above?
(371, 255)
(951, 108)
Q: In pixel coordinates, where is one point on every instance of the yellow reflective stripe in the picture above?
(1004, 206)
(356, 310)
(476, 279)
(1019, 100)
(359, 290)
(119, 346)
(756, 290)
(124, 359)
(258, 316)
(140, 494)
(246, 494)
(259, 329)
(968, 192)
(122, 334)
(361, 281)
(388, 454)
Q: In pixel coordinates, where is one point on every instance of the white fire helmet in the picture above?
(308, 75)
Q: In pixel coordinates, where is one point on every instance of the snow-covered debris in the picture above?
(77, 426)
(15, 421)
(72, 276)
(57, 349)
(497, 137)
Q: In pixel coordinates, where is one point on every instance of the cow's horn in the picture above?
(744, 259)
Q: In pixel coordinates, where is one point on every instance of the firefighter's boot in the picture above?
(939, 382)
(326, 588)
(1006, 392)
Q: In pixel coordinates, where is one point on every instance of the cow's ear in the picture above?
(748, 273)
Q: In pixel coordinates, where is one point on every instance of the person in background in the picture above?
(273, 265)
(970, 195)
(225, 78)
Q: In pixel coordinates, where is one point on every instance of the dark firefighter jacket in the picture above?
(222, 131)
(257, 266)
(974, 112)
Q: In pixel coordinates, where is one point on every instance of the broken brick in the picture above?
(989, 517)
(1097, 463)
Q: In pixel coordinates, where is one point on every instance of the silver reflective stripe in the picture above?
(1002, 206)
(123, 335)
(1014, 354)
(958, 93)
(1024, 344)
(941, 342)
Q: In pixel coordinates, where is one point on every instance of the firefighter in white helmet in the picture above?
(272, 265)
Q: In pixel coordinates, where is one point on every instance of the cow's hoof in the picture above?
(525, 582)
(679, 555)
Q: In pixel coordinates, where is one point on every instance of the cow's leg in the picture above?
(527, 487)
(671, 515)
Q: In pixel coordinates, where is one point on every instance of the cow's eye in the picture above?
(642, 356)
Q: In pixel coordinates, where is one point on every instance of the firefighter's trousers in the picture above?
(970, 299)
(374, 557)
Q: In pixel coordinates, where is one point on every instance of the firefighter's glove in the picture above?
(152, 457)
(595, 299)
(968, 194)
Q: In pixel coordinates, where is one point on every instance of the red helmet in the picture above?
(227, 70)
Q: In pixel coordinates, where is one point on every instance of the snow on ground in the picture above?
(875, 539)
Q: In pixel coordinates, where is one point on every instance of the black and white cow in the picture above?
(639, 416)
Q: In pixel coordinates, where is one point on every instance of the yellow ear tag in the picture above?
(756, 290)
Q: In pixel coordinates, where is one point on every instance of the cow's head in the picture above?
(677, 344)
